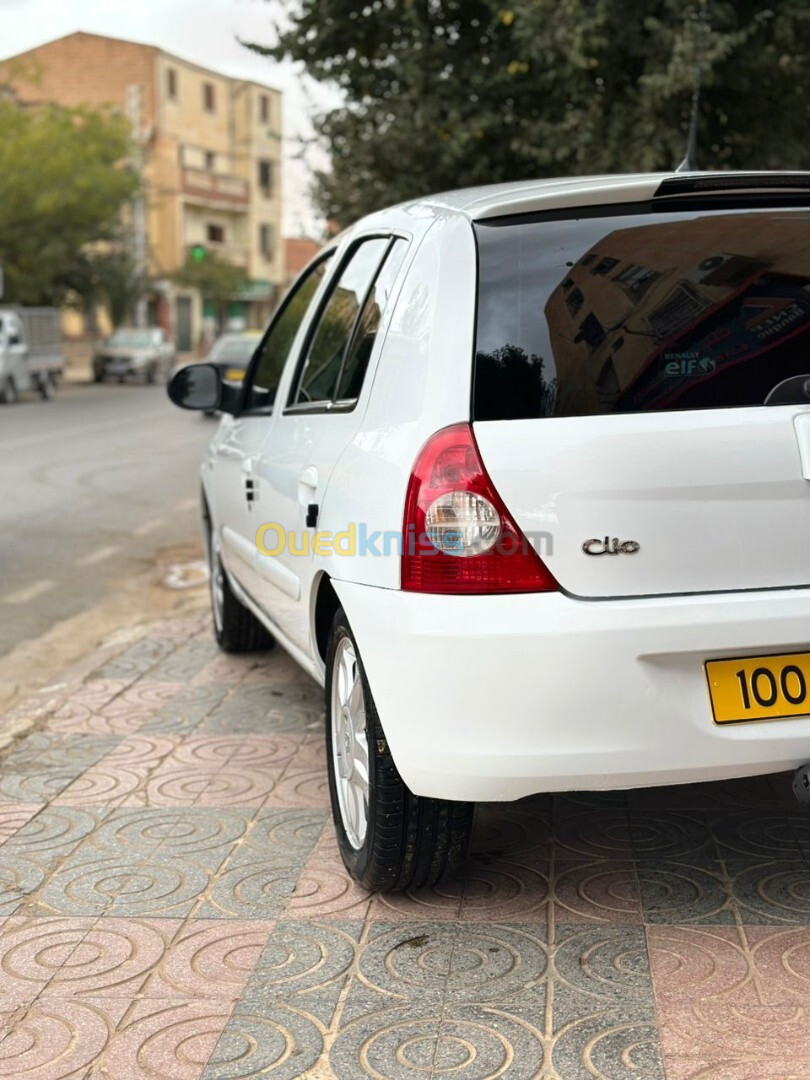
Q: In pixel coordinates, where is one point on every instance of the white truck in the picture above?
(31, 351)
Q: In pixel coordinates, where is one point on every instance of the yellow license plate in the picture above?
(234, 374)
(759, 688)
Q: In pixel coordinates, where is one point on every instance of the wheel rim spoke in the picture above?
(350, 753)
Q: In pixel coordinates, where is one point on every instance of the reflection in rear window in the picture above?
(638, 313)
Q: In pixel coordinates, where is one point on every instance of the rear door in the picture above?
(622, 364)
(321, 416)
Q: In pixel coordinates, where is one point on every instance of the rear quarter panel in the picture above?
(421, 383)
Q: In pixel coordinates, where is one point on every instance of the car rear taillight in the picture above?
(458, 535)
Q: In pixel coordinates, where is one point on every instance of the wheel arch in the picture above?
(324, 607)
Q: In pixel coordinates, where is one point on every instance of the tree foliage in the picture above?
(62, 186)
(218, 281)
(445, 93)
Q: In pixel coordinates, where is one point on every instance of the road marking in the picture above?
(147, 527)
(185, 504)
(25, 596)
(97, 556)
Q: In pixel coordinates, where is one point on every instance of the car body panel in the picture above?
(596, 685)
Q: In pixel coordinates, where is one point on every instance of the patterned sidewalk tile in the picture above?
(173, 904)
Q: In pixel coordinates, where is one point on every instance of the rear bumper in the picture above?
(495, 698)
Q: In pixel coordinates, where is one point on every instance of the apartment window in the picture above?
(210, 160)
(171, 84)
(215, 234)
(266, 241)
(264, 109)
(209, 97)
(266, 176)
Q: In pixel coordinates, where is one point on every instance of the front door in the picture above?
(241, 503)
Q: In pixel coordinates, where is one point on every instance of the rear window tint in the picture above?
(640, 312)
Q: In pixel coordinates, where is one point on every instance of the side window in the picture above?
(365, 334)
(317, 380)
(275, 348)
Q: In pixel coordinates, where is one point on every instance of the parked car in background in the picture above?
(521, 475)
(145, 353)
(231, 353)
(31, 351)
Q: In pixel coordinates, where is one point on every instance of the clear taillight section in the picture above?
(462, 523)
(458, 535)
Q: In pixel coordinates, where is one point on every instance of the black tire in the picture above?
(150, 374)
(236, 629)
(409, 841)
(46, 387)
(98, 376)
(8, 391)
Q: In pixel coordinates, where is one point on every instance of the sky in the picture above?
(206, 32)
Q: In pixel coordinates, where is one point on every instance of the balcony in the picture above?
(217, 189)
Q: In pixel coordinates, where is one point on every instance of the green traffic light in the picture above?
(198, 253)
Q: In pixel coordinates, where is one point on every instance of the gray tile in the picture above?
(273, 1041)
(19, 878)
(256, 890)
(771, 892)
(54, 833)
(618, 1042)
(684, 892)
(138, 659)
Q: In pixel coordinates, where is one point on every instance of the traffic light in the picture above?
(198, 253)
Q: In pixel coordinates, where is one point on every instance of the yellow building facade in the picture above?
(210, 148)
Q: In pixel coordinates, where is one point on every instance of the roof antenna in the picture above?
(690, 162)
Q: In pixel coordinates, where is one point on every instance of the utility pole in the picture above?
(138, 230)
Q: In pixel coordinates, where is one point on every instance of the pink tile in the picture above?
(172, 1038)
(198, 786)
(114, 958)
(14, 815)
(249, 751)
(100, 785)
(700, 964)
(209, 959)
(324, 888)
(59, 1038)
(781, 963)
(734, 1030)
(33, 951)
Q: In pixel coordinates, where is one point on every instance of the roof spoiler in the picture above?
(707, 184)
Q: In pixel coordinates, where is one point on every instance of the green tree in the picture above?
(446, 93)
(63, 184)
(118, 282)
(218, 281)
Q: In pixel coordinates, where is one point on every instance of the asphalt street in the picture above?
(92, 485)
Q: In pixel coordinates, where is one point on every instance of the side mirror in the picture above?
(196, 386)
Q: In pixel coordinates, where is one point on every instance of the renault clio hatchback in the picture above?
(521, 475)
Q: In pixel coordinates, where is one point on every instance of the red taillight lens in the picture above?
(458, 535)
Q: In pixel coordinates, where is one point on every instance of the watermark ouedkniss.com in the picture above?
(357, 540)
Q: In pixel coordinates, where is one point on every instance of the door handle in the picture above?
(309, 478)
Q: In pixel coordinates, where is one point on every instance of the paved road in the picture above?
(92, 485)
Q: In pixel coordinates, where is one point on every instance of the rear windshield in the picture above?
(640, 312)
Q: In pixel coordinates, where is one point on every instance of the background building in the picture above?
(210, 150)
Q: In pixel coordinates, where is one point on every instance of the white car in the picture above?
(521, 475)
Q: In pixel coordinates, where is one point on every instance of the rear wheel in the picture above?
(235, 628)
(8, 391)
(46, 386)
(389, 838)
